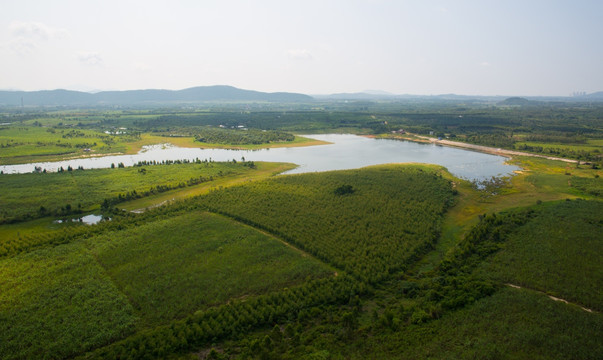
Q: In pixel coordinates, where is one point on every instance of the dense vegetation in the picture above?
(149, 283)
(560, 129)
(57, 302)
(458, 310)
(207, 261)
(510, 324)
(133, 276)
(72, 192)
(592, 186)
(558, 252)
(382, 262)
(391, 216)
(26, 142)
(241, 136)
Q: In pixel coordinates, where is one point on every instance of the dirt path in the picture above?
(489, 150)
(480, 148)
(553, 298)
(141, 210)
(303, 253)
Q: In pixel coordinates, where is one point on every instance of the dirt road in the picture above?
(553, 298)
(489, 150)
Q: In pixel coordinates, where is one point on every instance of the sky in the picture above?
(423, 47)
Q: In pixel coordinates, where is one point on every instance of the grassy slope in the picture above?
(511, 324)
(560, 252)
(59, 301)
(56, 302)
(173, 267)
(393, 212)
(557, 252)
(44, 225)
(43, 144)
(37, 144)
(539, 180)
(25, 193)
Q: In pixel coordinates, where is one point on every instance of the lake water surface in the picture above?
(345, 152)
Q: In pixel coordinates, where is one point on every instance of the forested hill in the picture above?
(138, 97)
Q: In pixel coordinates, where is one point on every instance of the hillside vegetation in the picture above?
(204, 260)
(368, 222)
(559, 252)
(341, 275)
(460, 310)
(60, 300)
(72, 192)
(178, 262)
(241, 137)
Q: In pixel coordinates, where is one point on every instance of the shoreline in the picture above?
(480, 148)
(133, 150)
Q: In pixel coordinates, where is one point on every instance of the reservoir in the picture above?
(344, 152)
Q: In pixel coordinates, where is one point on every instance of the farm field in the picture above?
(76, 191)
(387, 222)
(109, 285)
(163, 267)
(174, 239)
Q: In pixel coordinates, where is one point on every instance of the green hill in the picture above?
(198, 94)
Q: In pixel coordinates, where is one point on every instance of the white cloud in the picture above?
(485, 64)
(90, 58)
(26, 37)
(36, 30)
(22, 46)
(299, 54)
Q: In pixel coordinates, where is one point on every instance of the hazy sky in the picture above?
(506, 47)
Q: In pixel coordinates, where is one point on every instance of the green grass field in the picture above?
(174, 267)
(559, 252)
(389, 214)
(590, 145)
(59, 301)
(24, 194)
(512, 324)
(345, 264)
(23, 144)
(554, 249)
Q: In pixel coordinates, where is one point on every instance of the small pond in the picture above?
(88, 219)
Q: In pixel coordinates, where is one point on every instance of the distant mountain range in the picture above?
(223, 93)
(594, 96)
(375, 95)
(141, 97)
